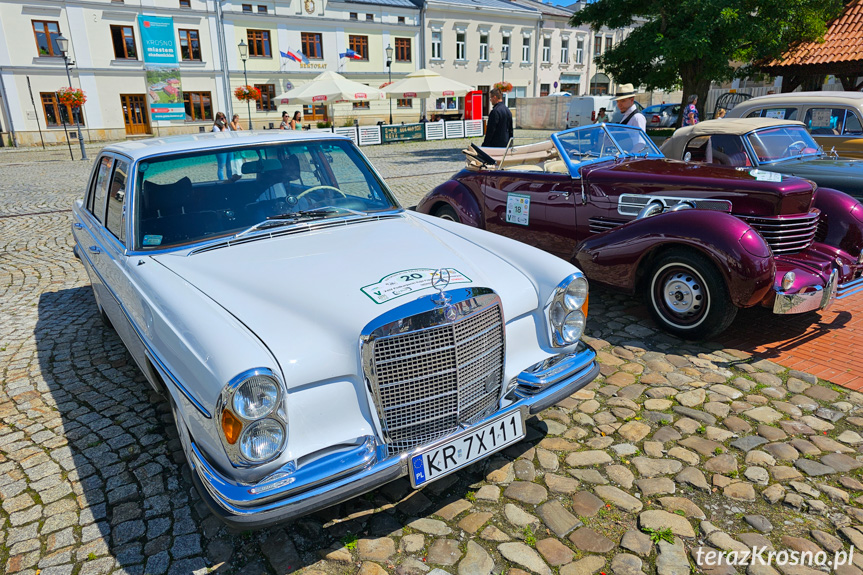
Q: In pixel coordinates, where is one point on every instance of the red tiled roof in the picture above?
(843, 43)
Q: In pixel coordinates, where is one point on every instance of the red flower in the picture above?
(503, 86)
(247, 93)
(71, 97)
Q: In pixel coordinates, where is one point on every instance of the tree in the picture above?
(691, 43)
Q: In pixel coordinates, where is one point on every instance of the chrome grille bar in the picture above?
(786, 234)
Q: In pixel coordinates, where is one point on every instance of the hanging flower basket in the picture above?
(384, 85)
(247, 93)
(503, 87)
(72, 97)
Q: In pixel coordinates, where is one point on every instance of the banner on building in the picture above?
(161, 68)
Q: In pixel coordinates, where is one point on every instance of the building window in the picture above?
(353, 16)
(259, 43)
(597, 46)
(403, 49)
(268, 97)
(504, 48)
(579, 51)
(190, 45)
(436, 46)
(459, 45)
(364, 105)
(57, 113)
(312, 45)
(609, 43)
(483, 47)
(525, 49)
(124, 43)
(564, 50)
(199, 106)
(401, 19)
(185, 3)
(262, 9)
(370, 17)
(360, 45)
(543, 89)
(546, 50)
(404, 103)
(247, 8)
(46, 37)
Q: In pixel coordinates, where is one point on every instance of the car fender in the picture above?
(841, 223)
(621, 256)
(459, 197)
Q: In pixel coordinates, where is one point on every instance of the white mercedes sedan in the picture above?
(315, 340)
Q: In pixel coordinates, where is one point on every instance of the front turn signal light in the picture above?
(231, 427)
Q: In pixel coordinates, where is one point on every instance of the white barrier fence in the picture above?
(383, 134)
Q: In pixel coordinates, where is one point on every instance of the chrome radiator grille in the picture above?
(428, 381)
(786, 234)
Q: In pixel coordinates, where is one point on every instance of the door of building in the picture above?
(135, 113)
(316, 113)
(485, 102)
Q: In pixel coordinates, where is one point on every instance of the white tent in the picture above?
(425, 83)
(330, 87)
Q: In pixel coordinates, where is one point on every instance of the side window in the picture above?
(101, 188)
(116, 197)
(779, 113)
(852, 124)
(824, 121)
(728, 150)
(697, 149)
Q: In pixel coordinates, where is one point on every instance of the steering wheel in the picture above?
(796, 146)
(315, 188)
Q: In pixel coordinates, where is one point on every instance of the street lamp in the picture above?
(389, 52)
(63, 44)
(244, 55)
(504, 56)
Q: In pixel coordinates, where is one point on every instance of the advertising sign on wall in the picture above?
(161, 68)
(403, 133)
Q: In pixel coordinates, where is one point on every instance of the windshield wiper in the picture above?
(587, 154)
(289, 218)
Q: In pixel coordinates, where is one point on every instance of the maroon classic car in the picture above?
(697, 241)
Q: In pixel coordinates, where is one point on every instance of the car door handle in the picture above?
(95, 249)
(78, 226)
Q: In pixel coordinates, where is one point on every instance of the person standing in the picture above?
(223, 166)
(498, 131)
(690, 114)
(625, 99)
(286, 122)
(235, 123)
(720, 113)
(295, 121)
(602, 117)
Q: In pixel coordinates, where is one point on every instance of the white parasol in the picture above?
(425, 83)
(330, 87)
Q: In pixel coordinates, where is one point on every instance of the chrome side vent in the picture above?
(632, 204)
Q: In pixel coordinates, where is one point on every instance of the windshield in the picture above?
(603, 141)
(187, 198)
(782, 143)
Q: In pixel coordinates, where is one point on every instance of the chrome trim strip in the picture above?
(849, 289)
(550, 371)
(632, 204)
(787, 303)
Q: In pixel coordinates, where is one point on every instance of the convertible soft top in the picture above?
(673, 146)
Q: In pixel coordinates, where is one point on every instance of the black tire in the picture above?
(445, 212)
(106, 321)
(687, 295)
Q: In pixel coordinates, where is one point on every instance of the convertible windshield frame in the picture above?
(614, 134)
(369, 176)
(754, 142)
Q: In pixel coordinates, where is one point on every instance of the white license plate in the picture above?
(466, 448)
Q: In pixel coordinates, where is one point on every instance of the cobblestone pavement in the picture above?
(677, 447)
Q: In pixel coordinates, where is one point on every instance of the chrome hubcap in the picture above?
(683, 294)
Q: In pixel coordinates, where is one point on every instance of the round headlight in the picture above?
(576, 293)
(573, 327)
(788, 280)
(256, 397)
(557, 314)
(262, 440)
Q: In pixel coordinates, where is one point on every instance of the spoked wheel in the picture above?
(446, 212)
(688, 296)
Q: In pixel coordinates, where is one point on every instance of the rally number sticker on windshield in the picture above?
(518, 209)
(765, 176)
(409, 281)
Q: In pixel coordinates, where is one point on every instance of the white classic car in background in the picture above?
(315, 339)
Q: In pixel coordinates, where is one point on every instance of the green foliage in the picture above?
(680, 512)
(718, 451)
(701, 429)
(689, 43)
(323, 124)
(657, 535)
(350, 541)
(471, 496)
(91, 556)
(529, 537)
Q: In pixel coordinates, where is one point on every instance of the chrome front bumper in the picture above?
(818, 298)
(291, 493)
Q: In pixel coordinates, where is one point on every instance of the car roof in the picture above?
(852, 98)
(673, 146)
(137, 149)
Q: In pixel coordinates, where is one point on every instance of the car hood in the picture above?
(842, 174)
(750, 192)
(303, 294)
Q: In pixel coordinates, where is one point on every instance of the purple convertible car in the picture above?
(697, 241)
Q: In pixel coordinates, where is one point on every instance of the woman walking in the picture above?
(690, 114)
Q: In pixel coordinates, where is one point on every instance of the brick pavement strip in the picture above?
(93, 480)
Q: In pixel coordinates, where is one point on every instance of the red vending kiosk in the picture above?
(473, 105)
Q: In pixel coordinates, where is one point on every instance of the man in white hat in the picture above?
(625, 98)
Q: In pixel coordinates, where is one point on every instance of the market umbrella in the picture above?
(425, 83)
(329, 87)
